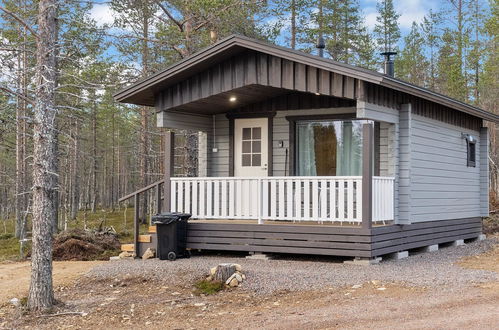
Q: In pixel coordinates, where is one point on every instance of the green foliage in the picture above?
(387, 30)
(412, 65)
(208, 287)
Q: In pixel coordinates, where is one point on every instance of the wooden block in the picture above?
(127, 247)
(145, 238)
(152, 229)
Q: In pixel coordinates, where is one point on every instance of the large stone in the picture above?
(458, 242)
(238, 277)
(233, 282)
(238, 267)
(213, 271)
(230, 279)
(126, 255)
(149, 254)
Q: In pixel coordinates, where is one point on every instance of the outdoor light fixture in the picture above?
(232, 99)
(318, 94)
(470, 138)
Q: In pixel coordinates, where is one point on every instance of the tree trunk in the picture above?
(41, 294)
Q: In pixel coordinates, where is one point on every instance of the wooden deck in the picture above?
(322, 239)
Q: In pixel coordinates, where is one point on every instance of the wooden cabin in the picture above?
(301, 154)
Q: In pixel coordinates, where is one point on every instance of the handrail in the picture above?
(152, 185)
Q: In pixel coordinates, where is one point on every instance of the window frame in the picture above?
(469, 153)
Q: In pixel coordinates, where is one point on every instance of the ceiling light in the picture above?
(232, 99)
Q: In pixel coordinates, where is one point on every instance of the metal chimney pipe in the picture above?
(321, 45)
(389, 65)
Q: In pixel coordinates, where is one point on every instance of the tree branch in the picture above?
(17, 18)
(24, 97)
(170, 16)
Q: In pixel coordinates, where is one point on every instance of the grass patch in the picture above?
(9, 249)
(208, 287)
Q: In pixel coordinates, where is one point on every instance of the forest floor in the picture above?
(455, 287)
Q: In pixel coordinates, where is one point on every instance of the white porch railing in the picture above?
(331, 198)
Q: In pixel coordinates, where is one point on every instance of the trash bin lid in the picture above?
(169, 217)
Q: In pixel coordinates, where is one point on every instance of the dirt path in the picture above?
(15, 276)
(135, 301)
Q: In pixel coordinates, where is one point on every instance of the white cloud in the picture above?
(409, 10)
(102, 14)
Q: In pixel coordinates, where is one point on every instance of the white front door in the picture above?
(251, 147)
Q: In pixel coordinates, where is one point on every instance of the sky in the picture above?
(410, 10)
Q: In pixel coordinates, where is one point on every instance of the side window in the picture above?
(471, 153)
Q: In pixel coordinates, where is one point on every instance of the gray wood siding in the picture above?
(219, 161)
(403, 181)
(484, 171)
(187, 121)
(442, 186)
(281, 133)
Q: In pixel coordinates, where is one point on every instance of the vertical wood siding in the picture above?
(251, 68)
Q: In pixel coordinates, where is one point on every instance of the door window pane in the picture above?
(251, 146)
(246, 133)
(256, 160)
(246, 147)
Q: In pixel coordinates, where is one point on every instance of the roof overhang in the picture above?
(143, 92)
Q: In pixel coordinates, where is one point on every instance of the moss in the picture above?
(208, 287)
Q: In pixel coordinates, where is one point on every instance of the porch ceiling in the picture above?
(221, 103)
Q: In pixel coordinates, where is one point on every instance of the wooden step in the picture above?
(152, 229)
(127, 247)
(145, 238)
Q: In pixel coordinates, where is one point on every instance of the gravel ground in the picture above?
(295, 273)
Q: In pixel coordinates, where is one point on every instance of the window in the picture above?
(471, 162)
(252, 146)
(329, 148)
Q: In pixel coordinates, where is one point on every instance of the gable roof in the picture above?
(143, 91)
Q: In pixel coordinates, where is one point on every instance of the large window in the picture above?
(325, 148)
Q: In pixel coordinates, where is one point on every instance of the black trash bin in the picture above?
(171, 228)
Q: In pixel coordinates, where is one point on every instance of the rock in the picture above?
(381, 289)
(243, 276)
(230, 279)
(238, 277)
(238, 267)
(149, 254)
(213, 271)
(209, 278)
(14, 301)
(114, 258)
(126, 255)
(233, 282)
(199, 304)
(357, 286)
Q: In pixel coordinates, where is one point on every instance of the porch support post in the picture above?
(136, 216)
(169, 156)
(367, 175)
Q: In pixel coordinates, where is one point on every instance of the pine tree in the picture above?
(431, 41)
(412, 64)
(387, 30)
(451, 81)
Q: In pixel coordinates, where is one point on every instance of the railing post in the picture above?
(367, 175)
(169, 157)
(158, 198)
(136, 225)
(260, 201)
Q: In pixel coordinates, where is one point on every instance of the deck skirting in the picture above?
(332, 241)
